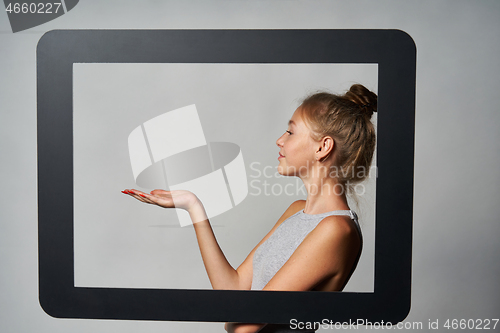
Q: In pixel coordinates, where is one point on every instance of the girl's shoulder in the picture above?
(293, 209)
(340, 229)
(297, 206)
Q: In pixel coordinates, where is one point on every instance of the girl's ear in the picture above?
(325, 148)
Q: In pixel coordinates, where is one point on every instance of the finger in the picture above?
(137, 195)
(136, 192)
(147, 198)
(129, 192)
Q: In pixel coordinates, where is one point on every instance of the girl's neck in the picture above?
(324, 194)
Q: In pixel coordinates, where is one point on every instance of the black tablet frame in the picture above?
(395, 53)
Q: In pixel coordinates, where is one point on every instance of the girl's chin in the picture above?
(283, 171)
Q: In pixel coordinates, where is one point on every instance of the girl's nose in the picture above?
(279, 142)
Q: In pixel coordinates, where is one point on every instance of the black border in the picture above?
(395, 53)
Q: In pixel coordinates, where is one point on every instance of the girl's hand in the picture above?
(166, 199)
(243, 328)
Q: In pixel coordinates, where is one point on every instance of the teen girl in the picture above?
(316, 243)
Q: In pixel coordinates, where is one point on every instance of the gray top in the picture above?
(278, 248)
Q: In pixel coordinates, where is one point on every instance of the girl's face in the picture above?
(297, 148)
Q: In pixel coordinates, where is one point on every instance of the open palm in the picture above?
(167, 199)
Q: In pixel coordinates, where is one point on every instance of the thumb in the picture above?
(158, 192)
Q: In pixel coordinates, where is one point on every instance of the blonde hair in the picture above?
(345, 118)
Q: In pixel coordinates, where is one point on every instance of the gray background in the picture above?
(456, 224)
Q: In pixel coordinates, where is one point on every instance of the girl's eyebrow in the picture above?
(291, 122)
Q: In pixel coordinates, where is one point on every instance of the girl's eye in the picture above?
(289, 132)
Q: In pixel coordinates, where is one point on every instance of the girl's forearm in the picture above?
(220, 272)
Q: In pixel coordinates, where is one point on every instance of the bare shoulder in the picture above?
(295, 207)
(337, 228)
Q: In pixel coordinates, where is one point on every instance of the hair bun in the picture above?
(363, 97)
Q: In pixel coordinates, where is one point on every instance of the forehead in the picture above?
(300, 123)
(296, 119)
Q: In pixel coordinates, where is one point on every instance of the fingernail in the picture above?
(124, 192)
(142, 195)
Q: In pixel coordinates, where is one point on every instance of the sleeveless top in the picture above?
(278, 248)
(271, 255)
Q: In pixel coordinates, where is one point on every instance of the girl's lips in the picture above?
(281, 156)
